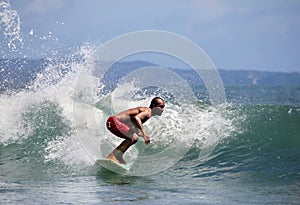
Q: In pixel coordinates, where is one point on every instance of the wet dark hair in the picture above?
(154, 101)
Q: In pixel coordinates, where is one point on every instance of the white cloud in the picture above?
(42, 7)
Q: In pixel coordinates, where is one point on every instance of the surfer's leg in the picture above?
(117, 154)
(123, 131)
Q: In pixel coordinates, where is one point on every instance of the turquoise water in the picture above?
(258, 163)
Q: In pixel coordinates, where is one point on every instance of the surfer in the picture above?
(129, 125)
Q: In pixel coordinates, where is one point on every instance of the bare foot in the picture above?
(112, 158)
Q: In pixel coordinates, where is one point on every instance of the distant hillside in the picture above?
(250, 77)
(17, 73)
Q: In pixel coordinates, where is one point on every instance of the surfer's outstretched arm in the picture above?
(139, 119)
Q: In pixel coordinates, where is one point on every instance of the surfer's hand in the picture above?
(147, 139)
(135, 138)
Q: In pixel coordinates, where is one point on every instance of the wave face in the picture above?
(267, 149)
(41, 131)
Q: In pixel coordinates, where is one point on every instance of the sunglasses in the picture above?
(161, 106)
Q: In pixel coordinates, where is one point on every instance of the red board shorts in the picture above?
(118, 128)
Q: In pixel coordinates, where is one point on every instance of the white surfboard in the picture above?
(113, 166)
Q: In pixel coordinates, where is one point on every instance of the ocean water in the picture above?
(52, 130)
(42, 161)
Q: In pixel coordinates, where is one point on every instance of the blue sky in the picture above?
(236, 34)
